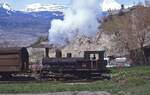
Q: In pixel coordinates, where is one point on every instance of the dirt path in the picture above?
(68, 93)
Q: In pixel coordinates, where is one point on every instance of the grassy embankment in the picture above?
(127, 81)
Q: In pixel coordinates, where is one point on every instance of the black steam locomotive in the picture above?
(92, 65)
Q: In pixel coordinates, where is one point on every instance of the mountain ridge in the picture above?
(36, 7)
(16, 27)
(5, 6)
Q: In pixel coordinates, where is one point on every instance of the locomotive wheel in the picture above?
(69, 77)
(6, 76)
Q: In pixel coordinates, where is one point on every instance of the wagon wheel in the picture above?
(6, 76)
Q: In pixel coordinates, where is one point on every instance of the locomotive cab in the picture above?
(96, 59)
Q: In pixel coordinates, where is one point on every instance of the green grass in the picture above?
(127, 81)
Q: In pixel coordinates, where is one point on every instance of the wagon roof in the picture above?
(10, 50)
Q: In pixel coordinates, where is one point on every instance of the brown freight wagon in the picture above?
(13, 60)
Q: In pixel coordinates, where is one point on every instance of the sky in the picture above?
(21, 4)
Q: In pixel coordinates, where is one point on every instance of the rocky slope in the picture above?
(102, 41)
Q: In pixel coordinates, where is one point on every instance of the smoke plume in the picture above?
(79, 19)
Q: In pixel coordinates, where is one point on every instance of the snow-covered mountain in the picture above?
(10, 18)
(110, 5)
(5, 6)
(36, 7)
(19, 28)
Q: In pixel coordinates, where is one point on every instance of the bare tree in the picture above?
(147, 3)
(131, 31)
(141, 27)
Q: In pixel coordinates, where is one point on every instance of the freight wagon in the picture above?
(13, 60)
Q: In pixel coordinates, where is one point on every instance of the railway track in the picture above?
(35, 78)
(25, 79)
(20, 79)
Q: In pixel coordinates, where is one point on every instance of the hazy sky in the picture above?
(20, 4)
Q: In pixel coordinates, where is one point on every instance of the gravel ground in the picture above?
(67, 93)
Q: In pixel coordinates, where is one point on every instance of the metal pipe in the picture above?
(47, 52)
(58, 53)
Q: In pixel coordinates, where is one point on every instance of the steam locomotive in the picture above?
(16, 60)
(92, 65)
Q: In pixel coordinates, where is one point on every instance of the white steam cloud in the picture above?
(79, 19)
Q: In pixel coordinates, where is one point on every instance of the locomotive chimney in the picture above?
(58, 53)
(69, 55)
(47, 52)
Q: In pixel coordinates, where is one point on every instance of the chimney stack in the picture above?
(47, 52)
(58, 53)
